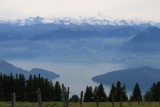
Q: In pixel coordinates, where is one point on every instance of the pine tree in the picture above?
(51, 91)
(124, 93)
(148, 96)
(118, 91)
(88, 95)
(26, 89)
(136, 96)
(95, 93)
(112, 93)
(29, 88)
(6, 87)
(11, 82)
(155, 90)
(101, 93)
(154, 93)
(21, 88)
(58, 92)
(1, 88)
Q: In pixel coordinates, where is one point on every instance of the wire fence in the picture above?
(65, 101)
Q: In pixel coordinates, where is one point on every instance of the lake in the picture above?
(75, 75)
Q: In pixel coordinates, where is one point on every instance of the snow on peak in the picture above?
(76, 21)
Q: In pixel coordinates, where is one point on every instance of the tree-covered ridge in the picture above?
(26, 89)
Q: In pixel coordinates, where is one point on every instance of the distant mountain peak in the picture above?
(4, 63)
(77, 21)
(152, 29)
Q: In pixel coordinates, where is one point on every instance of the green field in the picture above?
(85, 104)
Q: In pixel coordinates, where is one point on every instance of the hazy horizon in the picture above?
(126, 9)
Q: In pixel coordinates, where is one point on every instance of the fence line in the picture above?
(65, 98)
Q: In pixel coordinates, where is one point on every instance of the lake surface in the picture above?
(75, 75)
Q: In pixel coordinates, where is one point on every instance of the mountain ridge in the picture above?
(147, 40)
(76, 21)
(144, 75)
(7, 68)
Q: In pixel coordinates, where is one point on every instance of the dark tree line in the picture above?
(154, 93)
(98, 93)
(25, 89)
(117, 93)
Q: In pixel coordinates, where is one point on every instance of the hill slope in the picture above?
(146, 40)
(7, 68)
(145, 76)
(44, 73)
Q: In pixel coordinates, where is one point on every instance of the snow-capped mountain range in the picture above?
(76, 21)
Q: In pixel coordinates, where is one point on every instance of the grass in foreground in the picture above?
(85, 104)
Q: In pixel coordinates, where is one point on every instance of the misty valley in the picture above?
(82, 54)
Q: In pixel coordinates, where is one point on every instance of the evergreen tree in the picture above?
(29, 88)
(124, 93)
(112, 93)
(154, 93)
(11, 82)
(88, 95)
(51, 91)
(148, 96)
(21, 88)
(6, 87)
(26, 90)
(118, 91)
(95, 93)
(136, 96)
(58, 92)
(101, 94)
(1, 87)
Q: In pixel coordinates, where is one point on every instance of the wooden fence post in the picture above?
(63, 95)
(149, 100)
(112, 100)
(97, 101)
(13, 99)
(97, 91)
(159, 101)
(120, 100)
(67, 97)
(81, 99)
(39, 97)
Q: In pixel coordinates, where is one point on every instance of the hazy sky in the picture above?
(118, 9)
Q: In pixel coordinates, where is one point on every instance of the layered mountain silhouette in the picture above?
(148, 40)
(7, 68)
(145, 76)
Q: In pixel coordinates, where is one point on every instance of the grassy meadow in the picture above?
(85, 104)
